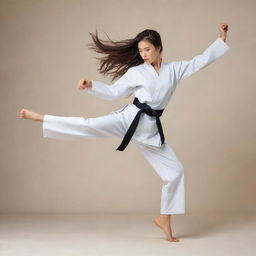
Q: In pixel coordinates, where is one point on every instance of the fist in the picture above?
(223, 27)
(83, 84)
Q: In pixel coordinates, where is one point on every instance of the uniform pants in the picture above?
(163, 159)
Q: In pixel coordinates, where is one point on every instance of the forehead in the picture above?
(144, 44)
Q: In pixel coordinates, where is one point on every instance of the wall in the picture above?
(210, 121)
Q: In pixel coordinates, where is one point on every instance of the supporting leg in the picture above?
(171, 171)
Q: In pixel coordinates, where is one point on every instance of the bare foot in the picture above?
(28, 114)
(164, 224)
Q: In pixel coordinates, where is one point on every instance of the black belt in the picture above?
(144, 108)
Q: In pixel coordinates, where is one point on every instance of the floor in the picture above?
(124, 234)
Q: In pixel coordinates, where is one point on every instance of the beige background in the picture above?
(210, 121)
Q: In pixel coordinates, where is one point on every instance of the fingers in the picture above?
(223, 27)
(81, 84)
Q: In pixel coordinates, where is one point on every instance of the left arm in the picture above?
(186, 68)
(223, 31)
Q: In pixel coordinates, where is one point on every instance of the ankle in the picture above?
(165, 216)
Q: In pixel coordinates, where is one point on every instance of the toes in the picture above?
(173, 239)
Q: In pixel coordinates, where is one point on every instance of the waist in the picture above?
(147, 109)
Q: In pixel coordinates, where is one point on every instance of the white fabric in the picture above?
(155, 90)
(171, 171)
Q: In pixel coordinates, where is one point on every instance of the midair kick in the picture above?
(152, 81)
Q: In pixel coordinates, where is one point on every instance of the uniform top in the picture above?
(151, 88)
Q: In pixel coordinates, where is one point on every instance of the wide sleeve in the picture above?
(124, 86)
(186, 68)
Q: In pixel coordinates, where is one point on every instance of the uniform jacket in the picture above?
(153, 89)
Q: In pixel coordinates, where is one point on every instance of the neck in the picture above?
(157, 63)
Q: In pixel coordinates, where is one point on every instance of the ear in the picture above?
(158, 48)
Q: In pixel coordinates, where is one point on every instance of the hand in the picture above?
(83, 84)
(223, 31)
(223, 27)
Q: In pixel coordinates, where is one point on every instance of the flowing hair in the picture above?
(121, 55)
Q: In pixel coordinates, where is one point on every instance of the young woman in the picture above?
(138, 64)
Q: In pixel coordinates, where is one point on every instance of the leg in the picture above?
(61, 127)
(167, 165)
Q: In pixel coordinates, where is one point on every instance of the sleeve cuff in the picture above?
(224, 44)
(90, 90)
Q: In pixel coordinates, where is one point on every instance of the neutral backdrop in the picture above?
(209, 122)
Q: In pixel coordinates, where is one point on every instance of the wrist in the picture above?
(223, 36)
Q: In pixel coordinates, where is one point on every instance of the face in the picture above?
(148, 52)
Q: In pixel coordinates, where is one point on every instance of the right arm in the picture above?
(122, 87)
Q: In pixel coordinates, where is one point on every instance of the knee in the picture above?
(174, 175)
(180, 172)
(181, 169)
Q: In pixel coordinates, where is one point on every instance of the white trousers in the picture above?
(163, 159)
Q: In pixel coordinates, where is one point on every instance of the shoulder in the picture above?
(172, 64)
(138, 67)
(135, 70)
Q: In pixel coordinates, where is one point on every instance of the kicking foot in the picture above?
(165, 226)
(27, 114)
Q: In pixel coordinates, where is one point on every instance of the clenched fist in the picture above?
(223, 27)
(83, 84)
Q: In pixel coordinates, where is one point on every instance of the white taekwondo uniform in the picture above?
(155, 90)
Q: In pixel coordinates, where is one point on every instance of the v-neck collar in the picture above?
(154, 70)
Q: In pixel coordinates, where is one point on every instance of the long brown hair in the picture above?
(121, 55)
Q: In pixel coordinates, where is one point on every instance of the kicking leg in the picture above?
(61, 127)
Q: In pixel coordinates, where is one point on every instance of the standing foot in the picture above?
(28, 114)
(163, 222)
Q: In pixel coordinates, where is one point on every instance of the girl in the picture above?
(138, 64)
